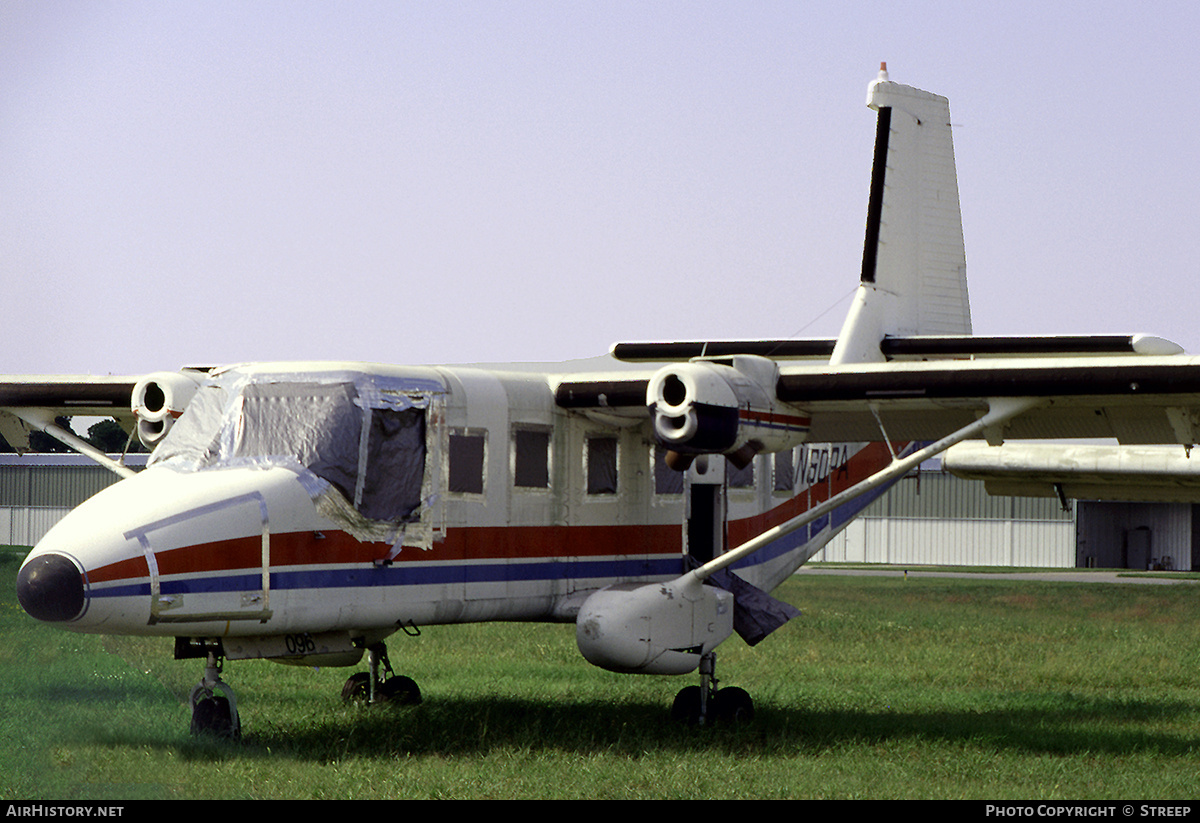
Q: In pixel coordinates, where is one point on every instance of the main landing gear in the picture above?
(702, 705)
(214, 707)
(369, 687)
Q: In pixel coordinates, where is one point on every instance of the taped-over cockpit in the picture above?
(357, 441)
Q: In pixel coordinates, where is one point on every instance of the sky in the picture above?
(199, 183)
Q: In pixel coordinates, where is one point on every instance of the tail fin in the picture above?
(914, 264)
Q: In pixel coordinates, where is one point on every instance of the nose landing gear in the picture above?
(214, 708)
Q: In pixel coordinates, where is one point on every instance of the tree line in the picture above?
(106, 435)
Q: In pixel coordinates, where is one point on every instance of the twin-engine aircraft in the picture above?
(305, 512)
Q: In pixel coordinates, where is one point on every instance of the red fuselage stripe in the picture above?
(486, 543)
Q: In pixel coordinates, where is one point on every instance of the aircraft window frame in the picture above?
(599, 468)
(530, 457)
(468, 489)
(741, 480)
(667, 481)
(783, 480)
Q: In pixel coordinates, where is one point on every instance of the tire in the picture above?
(357, 687)
(400, 690)
(214, 716)
(733, 705)
(686, 708)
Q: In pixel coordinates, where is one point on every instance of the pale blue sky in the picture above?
(415, 182)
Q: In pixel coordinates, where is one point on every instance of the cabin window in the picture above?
(785, 471)
(195, 439)
(666, 479)
(531, 458)
(466, 457)
(600, 457)
(390, 486)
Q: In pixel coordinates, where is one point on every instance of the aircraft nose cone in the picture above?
(50, 588)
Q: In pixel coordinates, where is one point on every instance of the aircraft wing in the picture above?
(86, 395)
(1134, 400)
(1134, 397)
(1080, 472)
(33, 402)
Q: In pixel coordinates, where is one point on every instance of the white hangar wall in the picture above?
(37, 490)
(934, 518)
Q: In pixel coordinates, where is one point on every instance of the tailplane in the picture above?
(914, 264)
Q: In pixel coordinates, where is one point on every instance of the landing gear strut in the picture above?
(214, 708)
(701, 705)
(368, 686)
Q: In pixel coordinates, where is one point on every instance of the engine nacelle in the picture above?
(660, 628)
(722, 407)
(158, 400)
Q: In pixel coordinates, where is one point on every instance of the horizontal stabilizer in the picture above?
(673, 352)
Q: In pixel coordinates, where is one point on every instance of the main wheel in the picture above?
(733, 705)
(686, 708)
(357, 687)
(401, 690)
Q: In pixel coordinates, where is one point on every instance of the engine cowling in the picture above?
(158, 400)
(657, 628)
(722, 407)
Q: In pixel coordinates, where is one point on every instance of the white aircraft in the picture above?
(305, 512)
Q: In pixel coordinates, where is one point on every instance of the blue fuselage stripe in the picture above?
(410, 575)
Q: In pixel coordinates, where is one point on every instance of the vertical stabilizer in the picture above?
(914, 264)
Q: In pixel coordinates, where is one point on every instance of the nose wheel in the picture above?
(704, 704)
(370, 687)
(214, 708)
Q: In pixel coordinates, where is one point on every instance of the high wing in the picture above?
(33, 403)
(1161, 474)
(1131, 399)
(1118, 387)
(146, 405)
(69, 394)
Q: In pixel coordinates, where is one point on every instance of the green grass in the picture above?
(884, 688)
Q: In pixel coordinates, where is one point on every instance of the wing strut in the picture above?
(43, 420)
(1000, 410)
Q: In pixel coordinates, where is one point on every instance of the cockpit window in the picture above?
(367, 443)
(316, 424)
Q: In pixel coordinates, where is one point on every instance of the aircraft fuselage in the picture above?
(516, 509)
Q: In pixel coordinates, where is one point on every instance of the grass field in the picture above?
(884, 688)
